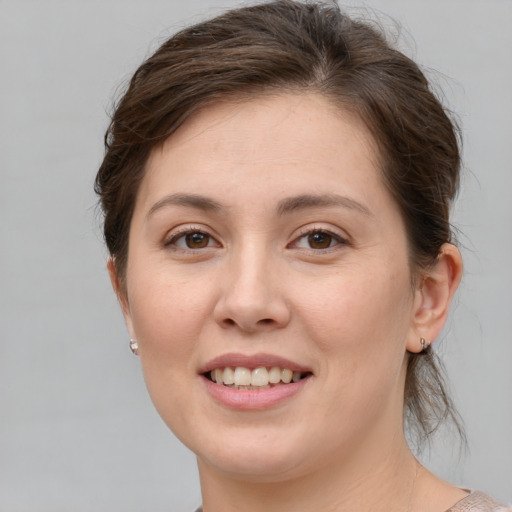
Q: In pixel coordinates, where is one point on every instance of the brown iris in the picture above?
(197, 240)
(319, 240)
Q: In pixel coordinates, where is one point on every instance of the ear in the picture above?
(433, 297)
(122, 297)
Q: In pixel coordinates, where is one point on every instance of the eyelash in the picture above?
(333, 237)
(183, 233)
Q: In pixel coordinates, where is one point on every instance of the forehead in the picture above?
(291, 140)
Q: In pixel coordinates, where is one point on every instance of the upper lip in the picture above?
(252, 361)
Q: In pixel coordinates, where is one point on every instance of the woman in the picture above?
(276, 191)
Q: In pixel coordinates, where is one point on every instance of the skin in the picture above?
(256, 283)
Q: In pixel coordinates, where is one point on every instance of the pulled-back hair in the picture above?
(290, 46)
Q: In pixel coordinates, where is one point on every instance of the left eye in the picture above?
(192, 240)
(318, 240)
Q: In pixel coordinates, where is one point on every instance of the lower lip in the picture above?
(253, 400)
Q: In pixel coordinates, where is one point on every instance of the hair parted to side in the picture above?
(293, 46)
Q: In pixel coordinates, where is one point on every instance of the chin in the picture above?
(263, 467)
(257, 457)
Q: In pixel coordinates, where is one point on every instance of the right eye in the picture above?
(192, 239)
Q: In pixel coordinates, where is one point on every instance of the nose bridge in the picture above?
(252, 297)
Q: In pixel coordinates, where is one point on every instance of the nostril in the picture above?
(229, 322)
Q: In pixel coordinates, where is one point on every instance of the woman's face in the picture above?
(263, 243)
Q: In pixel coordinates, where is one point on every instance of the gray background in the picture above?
(77, 430)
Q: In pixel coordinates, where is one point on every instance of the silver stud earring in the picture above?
(424, 344)
(134, 346)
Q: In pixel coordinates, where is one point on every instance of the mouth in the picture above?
(254, 382)
(255, 379)
(256, 372)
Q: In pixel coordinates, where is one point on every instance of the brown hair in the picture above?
(288, 45)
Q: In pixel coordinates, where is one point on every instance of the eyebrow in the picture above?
(285, 206)
(190, 200)
(305, 201)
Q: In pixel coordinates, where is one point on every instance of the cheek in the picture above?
(358, 311)
(360, 324)
(167, 315)
(167, 319)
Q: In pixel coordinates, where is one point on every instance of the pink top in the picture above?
(479, 502)
(473, 502)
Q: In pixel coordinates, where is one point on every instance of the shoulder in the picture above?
(479, 502)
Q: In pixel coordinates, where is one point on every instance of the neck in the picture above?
(382, 481)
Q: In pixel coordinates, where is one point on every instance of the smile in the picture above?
(242, 378)
(253, 382)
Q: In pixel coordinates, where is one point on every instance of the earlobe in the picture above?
(119, 290)
(434, 296)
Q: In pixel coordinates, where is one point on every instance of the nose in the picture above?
(252, 297)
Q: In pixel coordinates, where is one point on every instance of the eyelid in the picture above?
(176, 233)
(342, 238)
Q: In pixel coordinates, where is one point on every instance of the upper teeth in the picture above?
(241, 376)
